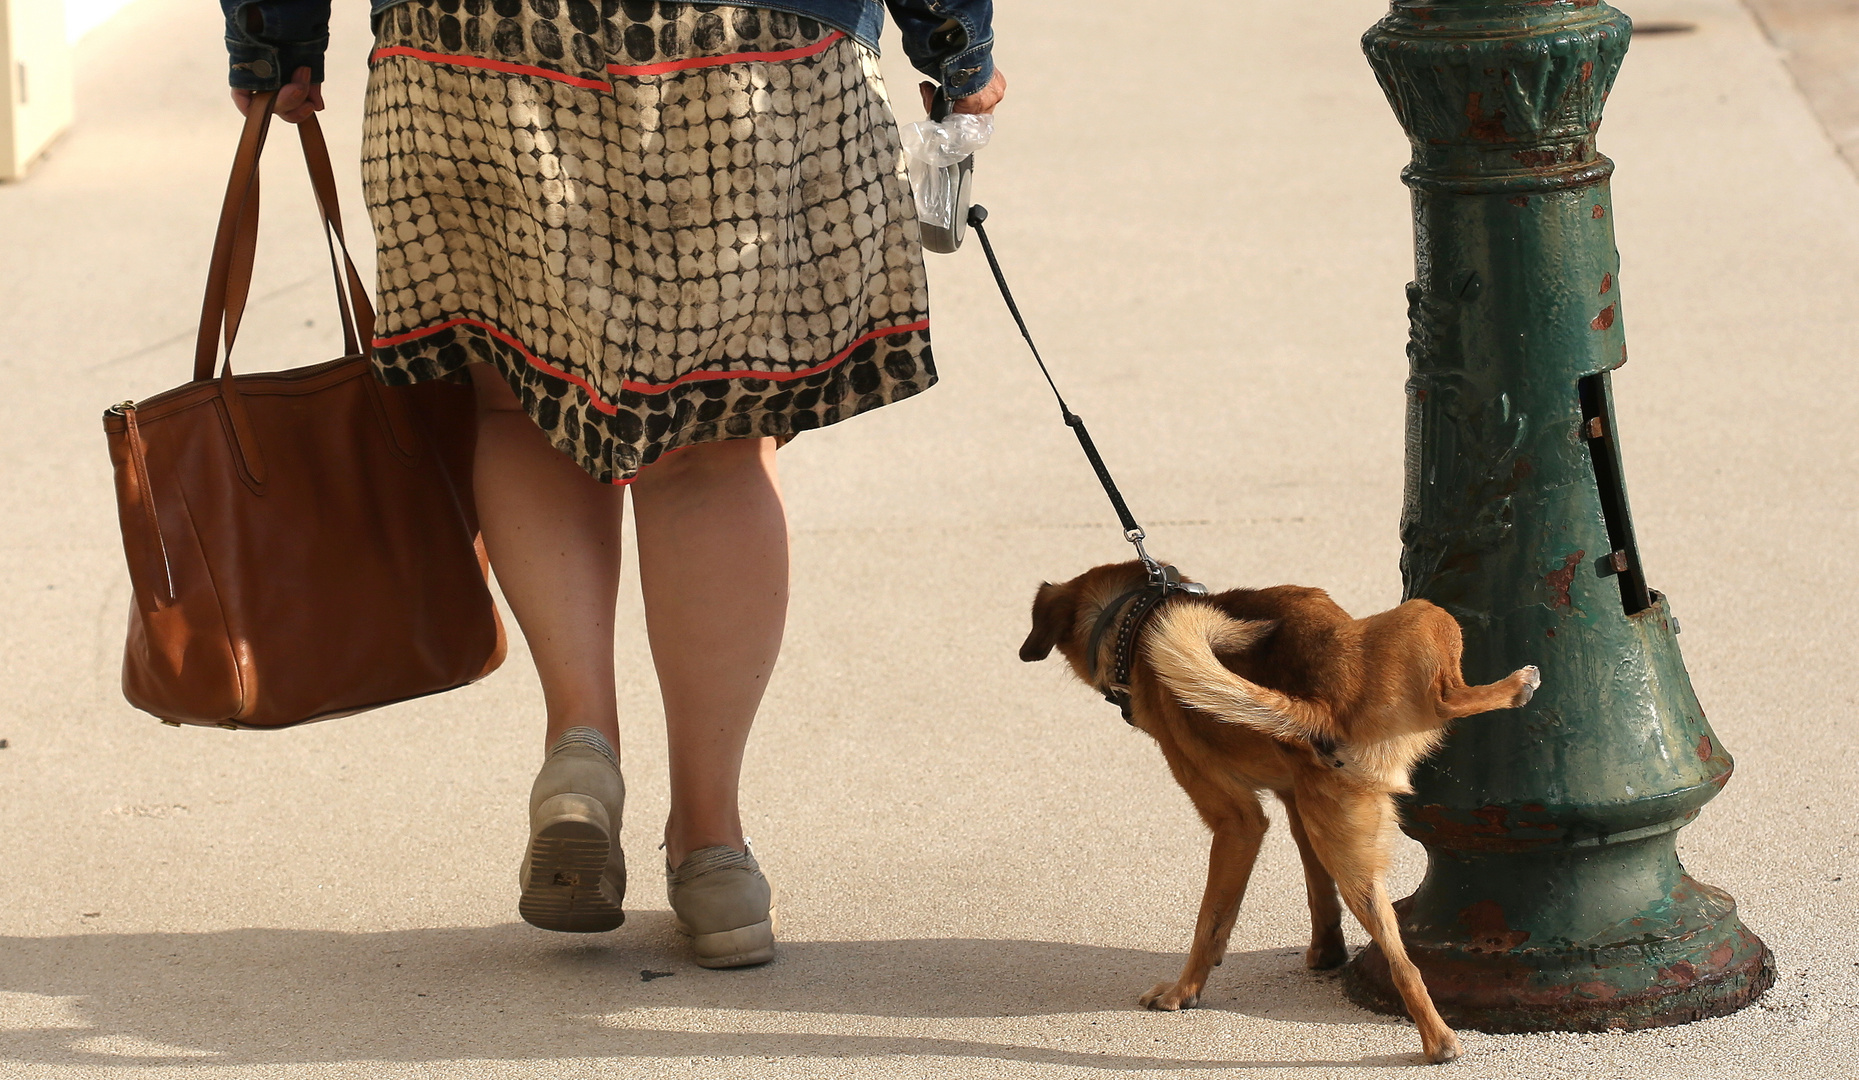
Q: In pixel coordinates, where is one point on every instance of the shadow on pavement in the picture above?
(509, 992)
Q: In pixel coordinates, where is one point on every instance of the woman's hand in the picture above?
(981, 101)
(297, 99)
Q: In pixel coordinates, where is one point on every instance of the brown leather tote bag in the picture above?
(302, 544)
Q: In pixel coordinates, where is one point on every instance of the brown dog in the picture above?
(1279, 689)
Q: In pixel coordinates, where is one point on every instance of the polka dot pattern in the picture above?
(721, 247)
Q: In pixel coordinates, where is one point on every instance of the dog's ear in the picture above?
(1055, 607)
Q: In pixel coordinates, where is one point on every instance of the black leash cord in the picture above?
(1131, 531)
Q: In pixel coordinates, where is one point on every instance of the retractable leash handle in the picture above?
(944, 240)
(1165, 576)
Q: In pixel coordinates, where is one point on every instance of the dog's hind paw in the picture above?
(1169, 997)
(1531, 679)
(1447, 1049)
(1330, 953)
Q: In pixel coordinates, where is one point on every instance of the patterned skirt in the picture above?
(666, 225)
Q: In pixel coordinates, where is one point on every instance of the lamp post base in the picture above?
(1675, 954)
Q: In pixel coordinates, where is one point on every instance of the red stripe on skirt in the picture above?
(593, 395)
(489, 65)
(732, 58)
(616, 69)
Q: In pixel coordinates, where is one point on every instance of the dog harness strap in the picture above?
(1105, 620)
(1145, 605)
(1128, 613)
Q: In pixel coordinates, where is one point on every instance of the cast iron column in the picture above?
(1553, 899)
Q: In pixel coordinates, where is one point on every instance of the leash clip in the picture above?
(1166, 578)
(1158, 575)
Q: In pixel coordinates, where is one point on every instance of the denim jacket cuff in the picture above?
(266, 63)
(257, 66)
(969, 72)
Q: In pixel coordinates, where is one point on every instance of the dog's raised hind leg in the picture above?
(1511, 692)
(1229, 866)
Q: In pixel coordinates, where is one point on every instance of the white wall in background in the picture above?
(83, 16)
(35, 81)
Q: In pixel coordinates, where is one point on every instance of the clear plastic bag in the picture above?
(935, 148)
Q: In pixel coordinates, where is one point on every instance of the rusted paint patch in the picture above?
(1481, 127)
(1704, 748)
(1604, 320)
(1487, 828)
(1607, 284)
(1446, 825)
(1599, 213)
(1560, 580)
(1519, 200)
(1680, 975)
(1587, 70)
(1537, 159)
(1494, 817)
(1490, 933)
(1594, 990)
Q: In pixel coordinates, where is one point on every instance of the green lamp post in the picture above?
(1553, 898)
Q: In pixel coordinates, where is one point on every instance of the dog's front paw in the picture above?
(1170, 997)
(1531, 679)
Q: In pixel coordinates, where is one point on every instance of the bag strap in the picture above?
(229, 279)
(358, 312)
(229, 275)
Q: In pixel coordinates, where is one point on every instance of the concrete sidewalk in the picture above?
(982, 867)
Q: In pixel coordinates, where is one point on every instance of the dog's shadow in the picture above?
(508, 992)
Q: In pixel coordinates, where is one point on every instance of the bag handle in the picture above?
(229, 277)
(357, 313)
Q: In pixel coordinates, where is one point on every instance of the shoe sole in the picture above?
(566, 887)
(744, 946)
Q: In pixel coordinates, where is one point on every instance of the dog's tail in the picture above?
(1181, 649)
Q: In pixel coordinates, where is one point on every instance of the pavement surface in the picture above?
(982, 867)
(1819, 40)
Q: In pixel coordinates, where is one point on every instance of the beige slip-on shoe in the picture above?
(723, 903)
(574, 873)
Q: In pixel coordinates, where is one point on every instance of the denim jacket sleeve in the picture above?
(949, 40)
(267, 40)
(952, 41)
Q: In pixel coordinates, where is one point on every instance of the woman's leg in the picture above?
(713, 567)
(553, 534)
